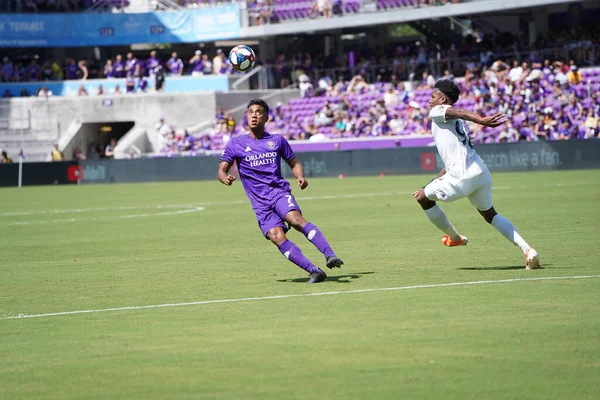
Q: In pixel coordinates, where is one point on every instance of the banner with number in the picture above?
(107, 29)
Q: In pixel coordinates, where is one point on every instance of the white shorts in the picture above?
(477, 189)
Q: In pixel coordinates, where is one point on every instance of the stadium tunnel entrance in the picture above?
(92, 138)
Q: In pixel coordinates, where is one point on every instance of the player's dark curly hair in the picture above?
(259, 102)
(449, 88)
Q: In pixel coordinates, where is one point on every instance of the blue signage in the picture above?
(173, 84)
(108, 29)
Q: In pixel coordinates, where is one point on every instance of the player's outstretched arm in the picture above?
(298, 172)
(459, 113)
(223, 173)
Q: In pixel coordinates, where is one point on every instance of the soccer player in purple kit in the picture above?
(258, 157)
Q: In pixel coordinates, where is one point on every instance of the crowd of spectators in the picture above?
(263, 12)
(543, 100)
(136, 71)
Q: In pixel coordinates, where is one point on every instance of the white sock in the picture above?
(439, 219)
(508, 230)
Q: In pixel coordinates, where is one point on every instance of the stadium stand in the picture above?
(545, 102)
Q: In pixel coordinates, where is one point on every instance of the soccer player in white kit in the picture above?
(465, 174)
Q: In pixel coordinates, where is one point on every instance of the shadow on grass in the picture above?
(331, 278)
(499, 268)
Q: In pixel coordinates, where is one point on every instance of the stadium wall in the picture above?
(534, 156)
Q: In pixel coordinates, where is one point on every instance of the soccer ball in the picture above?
(242, 58)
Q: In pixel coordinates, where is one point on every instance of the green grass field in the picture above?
(72, 248)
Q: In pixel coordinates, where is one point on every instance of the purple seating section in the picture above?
(299, 9)
(305, 109)
(389, 4)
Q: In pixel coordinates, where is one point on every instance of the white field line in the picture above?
(289, 296)
(106, 218)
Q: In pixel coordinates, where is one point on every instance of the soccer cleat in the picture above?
(532, 260)
(447, 241)
(333, 262)
(317, 276)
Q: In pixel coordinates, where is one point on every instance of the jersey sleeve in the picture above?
(286, 150)
(228, 154)
(438, 114)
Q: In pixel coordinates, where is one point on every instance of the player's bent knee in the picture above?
(277, 236)
(424, 201)
(488, 215)
(296, 220)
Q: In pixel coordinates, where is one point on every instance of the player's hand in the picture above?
(229, 179)
(494, 120)
(417, 193)
(303, 183)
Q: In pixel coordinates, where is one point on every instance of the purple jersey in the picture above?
(71, 71)
(143, 84)
(130, 65)
(151, 64)
(259, 166)
(118, 69)
(197, 65)
(175, 65)
(7, 71)
(32, 72)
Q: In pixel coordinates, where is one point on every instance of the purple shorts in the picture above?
(273, 216)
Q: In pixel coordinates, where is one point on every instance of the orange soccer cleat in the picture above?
(447, 241)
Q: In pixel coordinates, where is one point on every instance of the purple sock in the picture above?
(294, 254)
(316, 237)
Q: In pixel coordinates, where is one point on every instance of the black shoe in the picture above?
(334, 262)
(317, 276)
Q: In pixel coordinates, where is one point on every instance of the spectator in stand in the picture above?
(321, 7)
(205, 143)
(92, 153)
(57, 71)
(109, 151)
(5, 158)
(574, 76)
(175, 65)
(142, 84)
(196, 63)
(282, 71)
(56, 154)
(45, 92)
(71, 69)
(132, 65)
(108, 69)
(7, 70)
(206, 65)
(152, 64)
(305, 85)
(117, 90)
(34, 72)
(78, 154)
(130, 82)
(100, 91)
(119, 67)
(218, 61)
(591, 124)
(159, 83)
(81, 91)
(84, 70)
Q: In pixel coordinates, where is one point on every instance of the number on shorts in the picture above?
(289, 197)
(462, 132)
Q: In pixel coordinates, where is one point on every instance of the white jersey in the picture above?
(454, 146)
